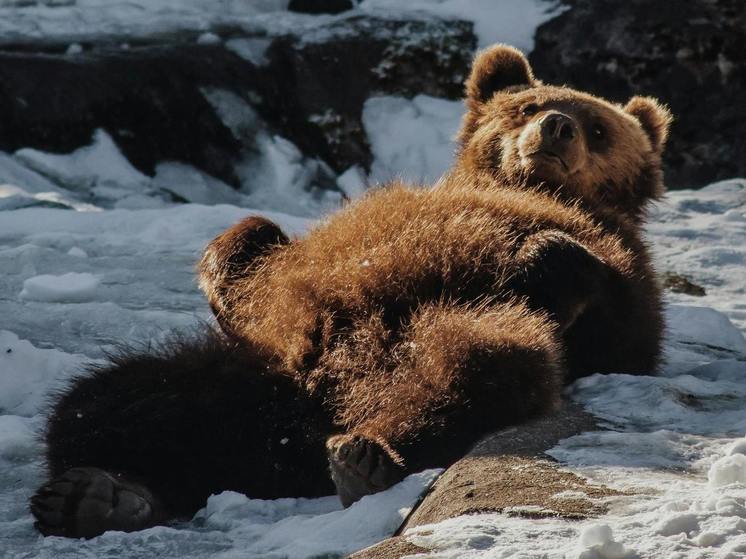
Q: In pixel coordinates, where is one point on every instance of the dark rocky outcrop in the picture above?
(321, 6)
(314, 90)
(150, 97)
(689, 53)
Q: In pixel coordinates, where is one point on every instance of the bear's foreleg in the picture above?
(462, 372)
(231, 256)
(558, 275)
(609, 321)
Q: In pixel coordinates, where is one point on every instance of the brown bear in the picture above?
(394, 335)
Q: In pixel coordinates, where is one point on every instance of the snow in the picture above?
(675, 445)
(674, 442)
(76, 22)
(66, 288)
(103, 255)
(727, 470)
(411, 139)
(495, 21)
(84, 20)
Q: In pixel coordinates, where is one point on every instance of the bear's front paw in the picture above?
(360, 466)
(86, 502)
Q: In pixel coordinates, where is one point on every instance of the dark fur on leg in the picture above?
(192, 419)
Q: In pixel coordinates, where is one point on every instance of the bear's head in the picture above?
(578, 146)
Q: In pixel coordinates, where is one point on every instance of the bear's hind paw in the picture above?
(360, 466)
(86, 502)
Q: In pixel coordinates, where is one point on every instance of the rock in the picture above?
(157, 100)
(688, 53)
(508, 472)
(148, 99)
(321, 6)
(315, 85)
(681, 284)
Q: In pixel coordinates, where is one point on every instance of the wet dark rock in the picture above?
(681, 284)
(152, 98)
(314, 90)
(148, 100)
(321, 6)
(688, 53)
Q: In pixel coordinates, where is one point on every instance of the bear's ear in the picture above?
(654, 118)
(496, 68)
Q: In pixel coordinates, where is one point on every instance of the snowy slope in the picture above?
(676, 440)
(73, 21)
(77, 279)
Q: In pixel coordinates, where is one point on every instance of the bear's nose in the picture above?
(557, 127)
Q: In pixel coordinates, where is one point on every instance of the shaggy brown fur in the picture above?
(420, 319)
(412, 307)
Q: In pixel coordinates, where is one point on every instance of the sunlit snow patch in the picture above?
(67, 288)
(300, 528)
(28, 374)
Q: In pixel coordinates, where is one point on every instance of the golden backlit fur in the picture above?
(412, 304)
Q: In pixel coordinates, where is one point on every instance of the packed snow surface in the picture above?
(675, 443)
(94, 254)
(80, 21)
(80, 278)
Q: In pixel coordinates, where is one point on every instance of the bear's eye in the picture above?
(599, 132)
(530, 109)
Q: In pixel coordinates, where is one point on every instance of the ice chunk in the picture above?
(677, 524)
(100, 164)
(738, 447)
(208, 39)
(352, 182)
(77, 252)
(67, 288)
(300, 528)
(17, 438)
(75, 48)
(597, 542)
(728, 470)
(704, 326)
(28, 374)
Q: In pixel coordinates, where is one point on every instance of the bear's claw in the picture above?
(360, 466)
(86, 502)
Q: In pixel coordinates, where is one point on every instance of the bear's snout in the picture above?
(550, 148)
(557, 128)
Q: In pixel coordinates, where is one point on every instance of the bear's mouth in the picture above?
(551, 156)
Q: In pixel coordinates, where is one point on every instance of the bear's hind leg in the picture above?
(461, 373)
(85, 502)
(229, 257)
(151, 436)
